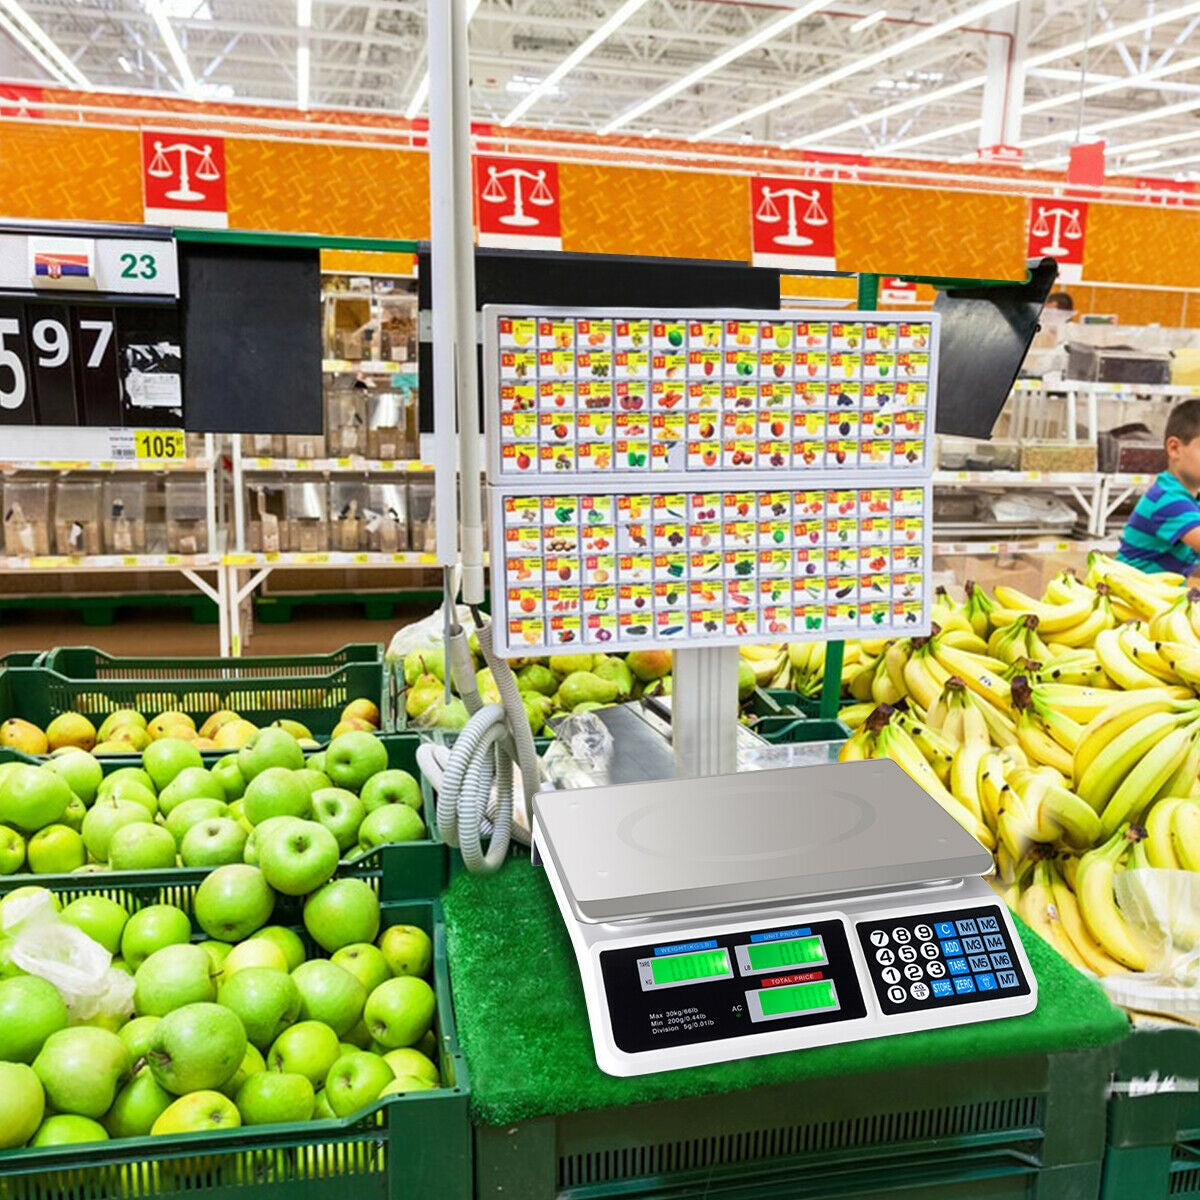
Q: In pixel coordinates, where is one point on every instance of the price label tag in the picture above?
(159, 443)
(362, 558)
(239, 560)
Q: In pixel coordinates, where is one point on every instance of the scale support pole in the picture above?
(704, 711)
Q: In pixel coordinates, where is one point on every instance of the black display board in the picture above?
(985, 335)
(251, 338)
(594, 281)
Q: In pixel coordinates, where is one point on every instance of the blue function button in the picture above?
(967, 926)
(952, 946)
(958, 966)
(994, 941)
(964, 984)
(1001, 961)
(979, 962)
(945, 929)
(988, 925)
(986, 982)
(1006, 979)
(973, 945)
(942, 987)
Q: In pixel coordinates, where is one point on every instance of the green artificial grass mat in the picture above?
(523, 1025)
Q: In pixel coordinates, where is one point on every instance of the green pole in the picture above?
(831, 684)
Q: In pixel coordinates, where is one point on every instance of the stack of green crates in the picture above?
(783, 717)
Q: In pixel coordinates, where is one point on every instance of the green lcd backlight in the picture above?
(794, 952)
(800, 997)
(680, 968)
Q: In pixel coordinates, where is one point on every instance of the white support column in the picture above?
(704, 711)
(1004, 92)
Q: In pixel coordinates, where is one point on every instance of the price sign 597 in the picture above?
(58, 364)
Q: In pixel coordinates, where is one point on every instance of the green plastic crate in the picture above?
(399, 871)
(86, 662)
(1029, 1128)
(22, 658)
(1154, 1116)
(411, 1147)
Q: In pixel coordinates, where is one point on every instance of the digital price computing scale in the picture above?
(746, 914)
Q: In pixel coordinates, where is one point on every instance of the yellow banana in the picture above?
(1143, 652)
(1155, 767)
(883, 689)
(1108, 771)
(896, 655)
(853, 715)
(1078, 824)
(1184, 660)
(979, 605)
(981, 675)
(993, 788)
(1160, 848)
(919, 679)
(1067, 908)
(861, 681)
(964, 777)
(1126, 710)
(936, 750)
(1098, 905)
(964, 639)
(1185, 835)
(1120, 668)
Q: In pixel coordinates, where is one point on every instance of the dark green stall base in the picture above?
(411, 1147)
(102, 610)
(278, 610)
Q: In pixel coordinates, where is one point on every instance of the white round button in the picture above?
(929, 950)
(936, 969)
(879, 937)
(897, 995)
(922, 932)
(890, 975)
(902, 935)
(912, 971)
(919, 991)
(907, 954)
(884, 957)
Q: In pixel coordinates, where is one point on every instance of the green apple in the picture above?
(297, 857)
(288, 940)
(172, 977)
(407, 1061)
(407, 1083)
(258, 832)
(103, 820)
(400, 1011)
(266, 749)
(352, 758)
(123, 774)
(165, 758)
(73, 814)
(102, 919)
(22, 1103)
(266, 1001)
(200, 1112)
(151, 929)
(30, 1011)
(137, 1035)
(254, 952)
(80, 1069)
(233, 901)
(273, 1098)
(316, 762)
(360, 1036)
(276, 792)
(219, 953)
(138, 1105)
(313, 780)
(391, 787)
(321, 1110)
(227, 772)
(253, 1063)
(365, 962)
(307, 1048)
(330, 994)
(355, 1080)
(140, 847)
(341, 812)
(132, 789)
(65, 1129)
(341, 912)
(213, 843)
(55, 850)
(196, 1047)
(428, 1045)
(192, 783)
(12, 850)
(188, 813)
(82, 773)
(391, 823)
(407, 949)
(32, 797)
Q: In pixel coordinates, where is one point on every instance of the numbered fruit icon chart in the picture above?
(664, 478)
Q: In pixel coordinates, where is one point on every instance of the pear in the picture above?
(489, 693)
(424, 662)
(566, 664)
(537, 709)
(582, 687)
(747, 680)
(425, 692)
(452, 716)
(71, 729)
(534, 677)
(616, 671)
(23, 736)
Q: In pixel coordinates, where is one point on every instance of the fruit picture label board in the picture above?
(728, 917)
(698, 477)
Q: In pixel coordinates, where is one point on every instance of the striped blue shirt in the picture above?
(1153, 536)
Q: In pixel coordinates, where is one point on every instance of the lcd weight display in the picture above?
(673, 969)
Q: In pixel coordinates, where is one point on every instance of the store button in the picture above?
(964, 984)
(943, 987)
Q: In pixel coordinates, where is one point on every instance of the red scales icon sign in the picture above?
(792, 222)
(517, 203)
(183, 177)
(1058, 229)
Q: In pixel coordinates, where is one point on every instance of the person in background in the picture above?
(1163, 531)
(1060, 300)
(1058, 309)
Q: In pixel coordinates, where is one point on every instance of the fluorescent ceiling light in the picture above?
(304, 13)
(766, 34)
(421, 95)
(1091, 132)
(125, 64)
(598, 36)
(174, 49)
(1172, 163)
(1119, 34)
(869, 20)
(858, 65)
(921, 138)
(1112, 85)
(31, 49)
(303, 66)
(1166, 139)
(63, 68)
(1142, 155)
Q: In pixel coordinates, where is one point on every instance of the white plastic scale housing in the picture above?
(704, 866)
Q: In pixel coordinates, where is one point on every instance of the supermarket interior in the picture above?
(599, 599)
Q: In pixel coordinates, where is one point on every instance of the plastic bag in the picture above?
(581, 754)
(80, 968)
(425, 634)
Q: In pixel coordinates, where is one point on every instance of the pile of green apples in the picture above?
(266, 804)
(242, 1029)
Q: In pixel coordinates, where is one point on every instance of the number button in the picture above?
(919, 991)
(902, 936)
(922, 933)
(890, 975)
(913, 971)
(897, 995)
(929, 950)
(907, 954)
(885, 957)
(936, 969)
(879, 937)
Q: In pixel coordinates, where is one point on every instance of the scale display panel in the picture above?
(658, 478)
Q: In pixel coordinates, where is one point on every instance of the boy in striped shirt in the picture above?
(1163, 531)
